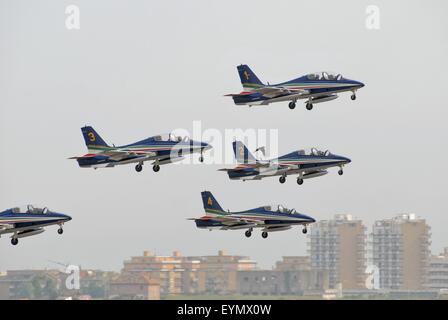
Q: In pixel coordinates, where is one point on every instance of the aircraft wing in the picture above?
(118, 155)
(166, 160)
(122, 154)
(250, 166)
(271, 92)
(236, 221)
(4, 227)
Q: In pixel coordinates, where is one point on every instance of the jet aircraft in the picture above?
(306, 164)
(161, 149)
(314, 87)
(269, 218)
(29, 221)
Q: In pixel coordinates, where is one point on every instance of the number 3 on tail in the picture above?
(91, 136)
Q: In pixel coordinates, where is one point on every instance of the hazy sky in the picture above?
(138, 68)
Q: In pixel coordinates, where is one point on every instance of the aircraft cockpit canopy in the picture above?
(30, 209)
(314, 152)
(283, 209)
(324, 76)
(279, 208)
(170, 137)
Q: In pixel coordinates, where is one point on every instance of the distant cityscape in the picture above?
(344, 261)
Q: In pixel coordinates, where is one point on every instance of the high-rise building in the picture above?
(218, 274)
(338, 246)
(166, 269)
(438, 271)
(179, 274)
(400, 251)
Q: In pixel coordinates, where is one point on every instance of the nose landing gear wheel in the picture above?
(60, 231)
(340, 172)
(299, 181)
(304, 230)
(309, 106)
(282, 179)
(201, 159)
(248, 233)
(14, 241)
(138, 168)
(353, 97)
(156, 168)
(292, 105)
(264, 234)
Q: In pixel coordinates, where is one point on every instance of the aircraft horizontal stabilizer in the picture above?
(244, 93)
(90, 155)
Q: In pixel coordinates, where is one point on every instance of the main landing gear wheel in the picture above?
(340, 172)
(309, 106)
(304, 230)
(14, 241)
(282, 179)
(248, 233)
(299, 181)
(353, 97)
(138, 168)
(292, 105)
(156, 168)
(264, 234)
(60, 231)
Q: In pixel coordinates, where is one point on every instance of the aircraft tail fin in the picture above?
(242, 154)
(248, 78)
(92, 139)
(210, 202)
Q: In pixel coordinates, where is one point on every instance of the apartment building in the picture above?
(338, 247)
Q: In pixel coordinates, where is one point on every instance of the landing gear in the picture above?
(156, 168)
(60, 230)
(309, 106)
(138, 168)
(282, 179)
(248, 233)
(292, 105)
(14, 241)
(264, 234)
(201, 158)
(299, 181)
(305, 230)
(353, 96)
(341, 172)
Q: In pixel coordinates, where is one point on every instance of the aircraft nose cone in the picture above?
(360, 84)
(345, 160)
(67, 218)
(309, 219)
(206, 146)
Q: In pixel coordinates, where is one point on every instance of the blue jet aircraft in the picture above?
(269, 218)
(306, 164)
(314, 87)
(29, 221)
(161, 149)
